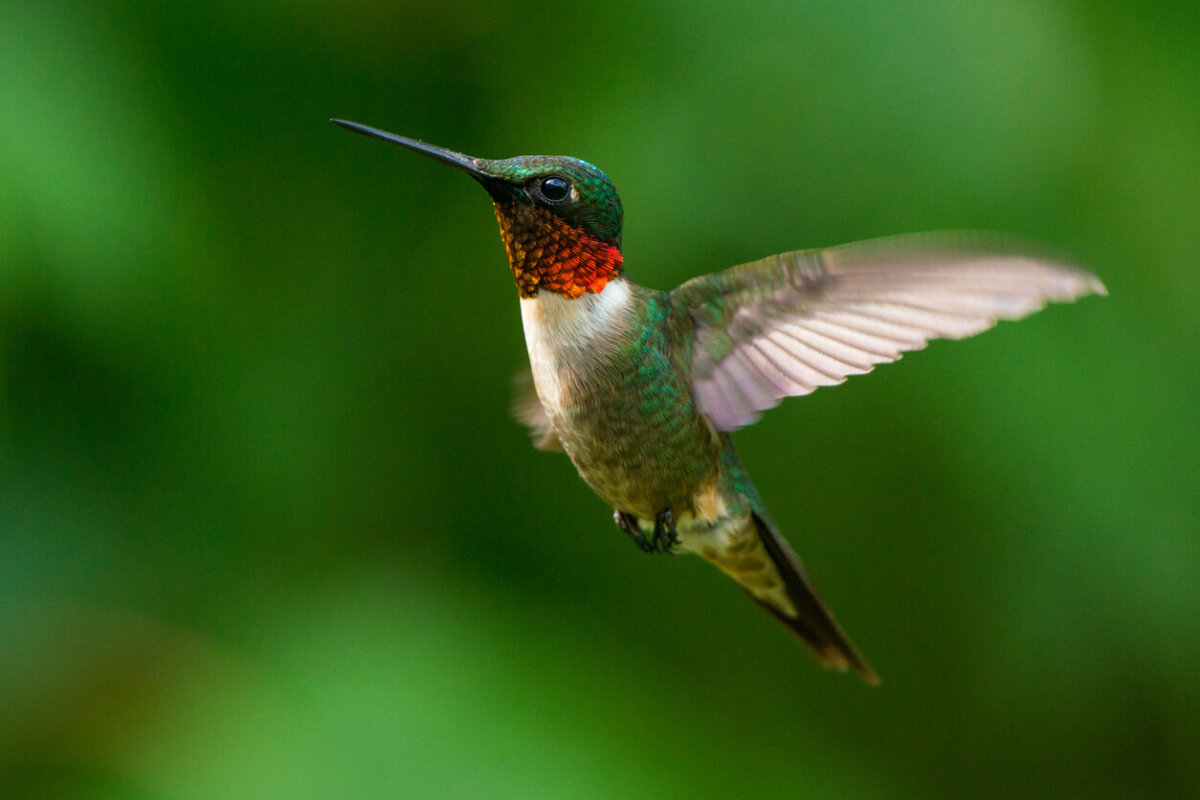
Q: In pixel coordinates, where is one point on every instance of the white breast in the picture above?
(559, 332)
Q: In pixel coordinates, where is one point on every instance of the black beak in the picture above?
(475, 167)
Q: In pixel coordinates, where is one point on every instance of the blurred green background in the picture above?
(267, 530)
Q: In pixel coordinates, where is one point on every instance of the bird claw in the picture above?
(662, 540)
(665, 535)
(629, 524)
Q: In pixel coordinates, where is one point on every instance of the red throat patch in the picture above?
(546, 252)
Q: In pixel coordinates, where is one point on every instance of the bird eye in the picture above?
(554, 188)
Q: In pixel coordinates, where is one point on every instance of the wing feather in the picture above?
(755, 385)
(527, 408)
(788, 324)
(797, 374)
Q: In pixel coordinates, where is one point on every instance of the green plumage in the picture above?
(628, 421)
(642, 388)
(614, 377)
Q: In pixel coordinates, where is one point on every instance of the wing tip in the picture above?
(1083, 283)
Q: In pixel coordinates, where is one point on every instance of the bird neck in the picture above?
(547, 252)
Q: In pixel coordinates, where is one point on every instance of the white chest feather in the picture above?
(560, 332)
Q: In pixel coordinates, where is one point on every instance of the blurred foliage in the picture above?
(266, 529)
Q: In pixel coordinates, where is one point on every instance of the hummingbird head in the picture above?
(560, 217)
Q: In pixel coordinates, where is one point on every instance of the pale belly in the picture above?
(620, 406)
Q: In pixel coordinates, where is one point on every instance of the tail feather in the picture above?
(806, 614)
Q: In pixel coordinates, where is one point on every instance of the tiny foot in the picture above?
(665, 535)
(629, 524)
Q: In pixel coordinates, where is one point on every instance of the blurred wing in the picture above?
(528, 410)
(795, 321)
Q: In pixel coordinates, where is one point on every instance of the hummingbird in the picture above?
(642, 388)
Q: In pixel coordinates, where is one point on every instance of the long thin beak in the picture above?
(471, 166)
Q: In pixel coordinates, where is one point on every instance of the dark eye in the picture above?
(554, 188)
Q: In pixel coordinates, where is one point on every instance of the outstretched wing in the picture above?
(789, 323)
(528, 410)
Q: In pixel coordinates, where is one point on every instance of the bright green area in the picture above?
(267, 531)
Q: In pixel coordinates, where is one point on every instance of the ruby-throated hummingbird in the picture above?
(641, 387)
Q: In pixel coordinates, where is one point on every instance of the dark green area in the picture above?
(266, 529)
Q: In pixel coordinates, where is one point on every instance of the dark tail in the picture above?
(813, 622)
